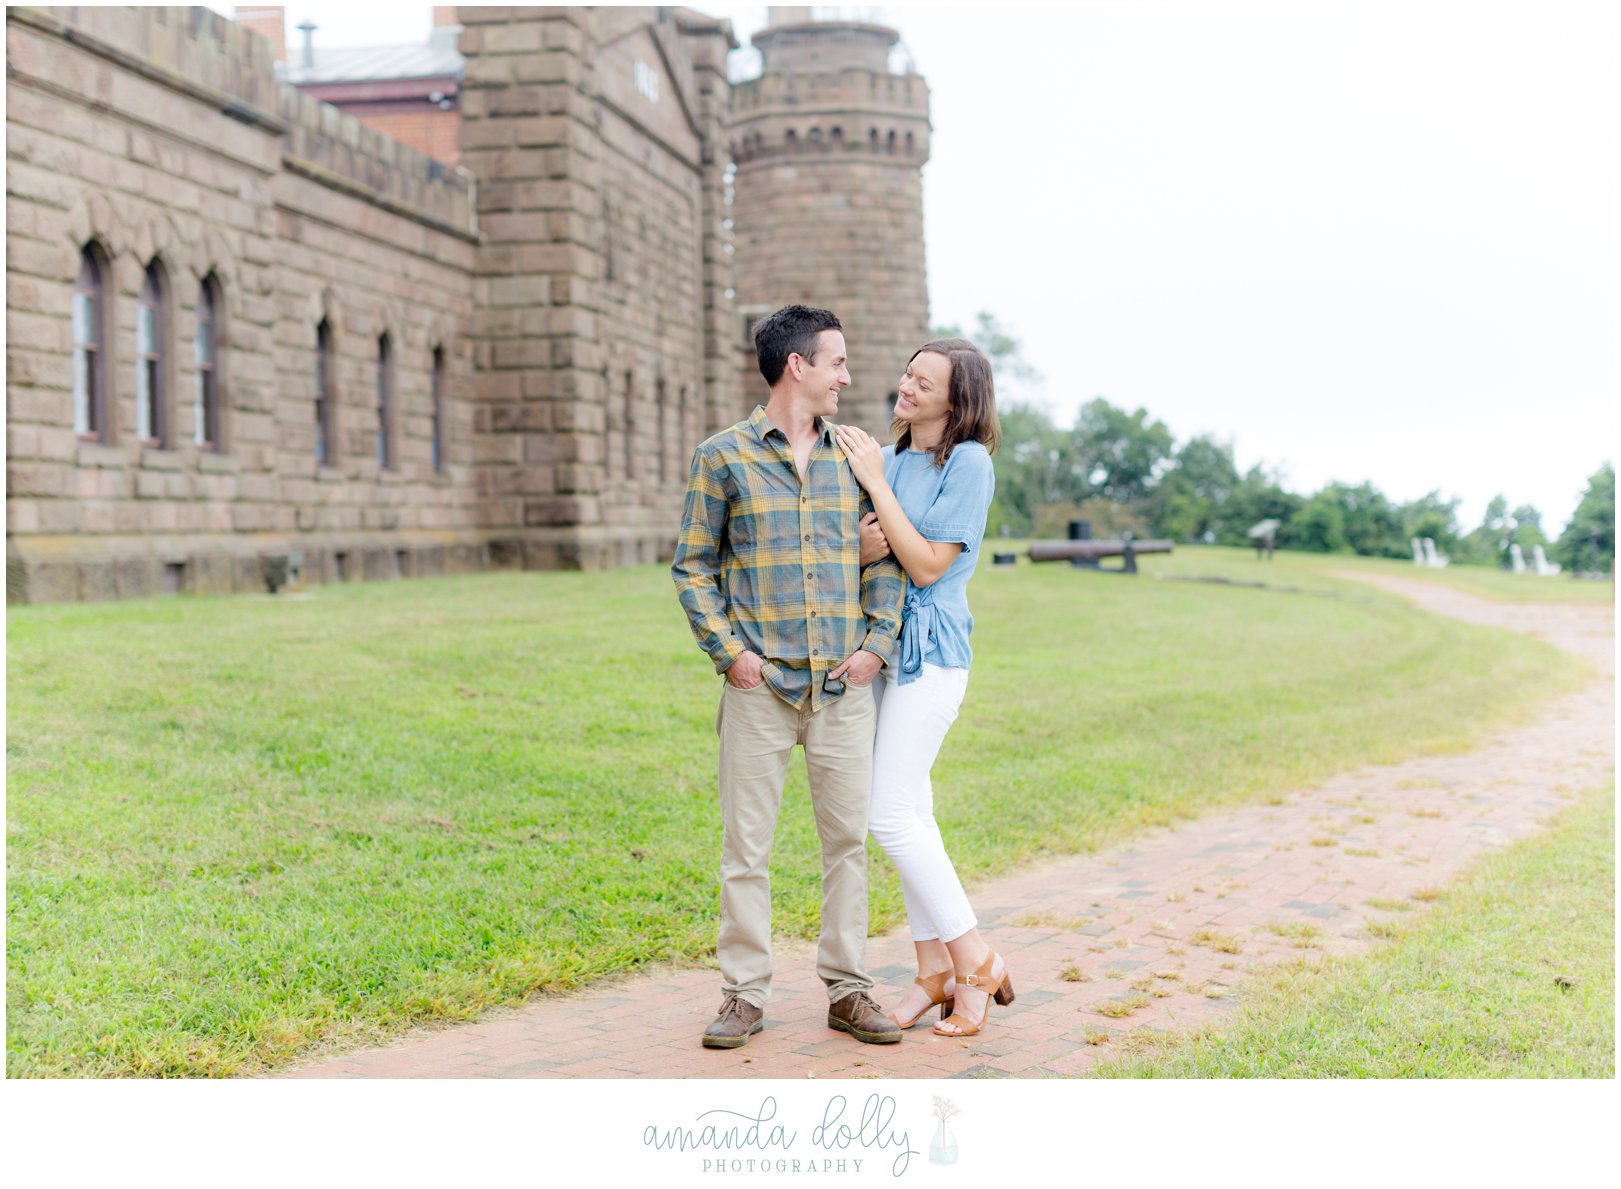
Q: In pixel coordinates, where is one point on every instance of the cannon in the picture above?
(1089, 552)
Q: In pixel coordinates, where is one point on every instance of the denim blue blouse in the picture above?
(945, 504)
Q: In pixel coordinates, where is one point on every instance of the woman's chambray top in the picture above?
(945, 504)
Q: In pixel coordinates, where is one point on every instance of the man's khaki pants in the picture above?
(757, 731)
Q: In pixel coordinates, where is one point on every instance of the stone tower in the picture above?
(829, 146)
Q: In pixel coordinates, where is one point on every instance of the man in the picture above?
(769, 574)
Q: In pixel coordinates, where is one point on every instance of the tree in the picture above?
(1428, 516)
(1027, 469)
(1341, 518)
(1588, 542)
(1114, 454)
(1194, 497)
(1258, 496)
(1500, 528)
(1319, 525)
(999, 343)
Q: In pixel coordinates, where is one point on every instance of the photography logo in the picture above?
(836, 1137)
(943, 1147)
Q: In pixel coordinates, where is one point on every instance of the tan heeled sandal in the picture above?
(935, 988)
(983, 979)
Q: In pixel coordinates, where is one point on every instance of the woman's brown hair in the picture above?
(972, 394)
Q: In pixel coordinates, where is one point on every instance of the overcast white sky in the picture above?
(1362, 241)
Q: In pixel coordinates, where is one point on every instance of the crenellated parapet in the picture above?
(324, 144)
(203, 57)
(193, 49)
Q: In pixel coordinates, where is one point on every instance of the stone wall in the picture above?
(586, 129)
(161, 135)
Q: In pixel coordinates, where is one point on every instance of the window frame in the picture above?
(436, 445)
(385, 398)
(91, 283)
(325, 394)
(207, 429)
(152, 359)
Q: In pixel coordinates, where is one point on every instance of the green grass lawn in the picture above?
(242, 830)
(1512, 974)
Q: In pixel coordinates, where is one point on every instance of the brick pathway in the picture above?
(1156, 935)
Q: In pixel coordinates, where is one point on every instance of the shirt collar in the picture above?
(763, 427)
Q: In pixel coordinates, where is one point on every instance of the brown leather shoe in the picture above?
(863, 1019)
(731, 1028)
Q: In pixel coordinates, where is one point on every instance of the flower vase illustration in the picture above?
(943, 1147)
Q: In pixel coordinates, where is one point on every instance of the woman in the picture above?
(931, 491)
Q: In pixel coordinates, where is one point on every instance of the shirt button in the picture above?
(810, 577)
(807, 536)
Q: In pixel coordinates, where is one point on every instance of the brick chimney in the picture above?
(269, 22)
(444, 15)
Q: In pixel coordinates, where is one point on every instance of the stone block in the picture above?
(211, 574)
(558, 510)
(528, 291)
(98, 581)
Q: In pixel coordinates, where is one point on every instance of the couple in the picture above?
(827, 579)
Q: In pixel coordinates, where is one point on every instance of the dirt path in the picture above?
(1185, 913)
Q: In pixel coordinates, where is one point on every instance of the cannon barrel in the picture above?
(1091, 550)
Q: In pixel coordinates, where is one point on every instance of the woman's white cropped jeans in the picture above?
(912, 723)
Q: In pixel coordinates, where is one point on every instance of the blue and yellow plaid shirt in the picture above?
(771, 565)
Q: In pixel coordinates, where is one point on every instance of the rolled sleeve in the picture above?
(957, 515)
(883, 589)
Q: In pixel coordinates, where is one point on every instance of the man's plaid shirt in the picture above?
(769, 565)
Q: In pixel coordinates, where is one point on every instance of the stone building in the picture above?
(246, 331)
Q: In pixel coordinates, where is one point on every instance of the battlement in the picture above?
(192, 49)
(839, 138)
(215, 61)
(856, 90)
(338, 150)
(816, 46)
(845, 115)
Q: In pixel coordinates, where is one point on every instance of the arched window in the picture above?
(205, 408)
(385, 386)
(325, 395)
(437, 446)
(151, 360)
(89, 349)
